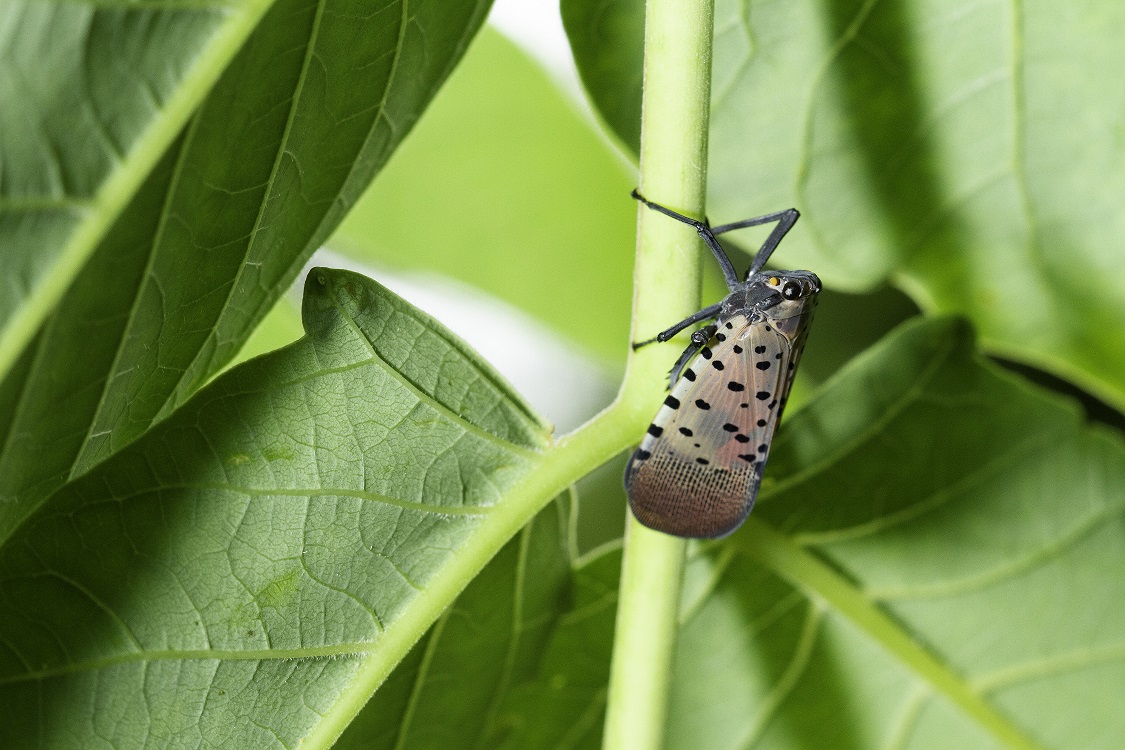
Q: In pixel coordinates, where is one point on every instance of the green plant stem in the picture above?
(648, 606)
(677, 97)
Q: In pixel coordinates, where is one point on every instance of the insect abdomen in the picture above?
(688, 499)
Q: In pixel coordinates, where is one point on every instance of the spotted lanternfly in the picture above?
(697, 471)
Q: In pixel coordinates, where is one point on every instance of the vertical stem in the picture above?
(677, 99)
(640, 675)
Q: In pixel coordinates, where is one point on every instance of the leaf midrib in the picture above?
(121, 184)
(340, 650)
(822, 583)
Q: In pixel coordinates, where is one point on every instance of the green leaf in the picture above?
(303, 117)
(246, 573)
(565, 705)
(933, 562)
(608, 50)
(505, 186)
(449, 692)
(972, 156)
(92, 95)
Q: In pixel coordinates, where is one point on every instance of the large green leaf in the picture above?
(946, 535)
(248, 571)
(91, 95)
(505, 186)
(935, 561)
(450, 691)
(565, 705)
(971, 154)
(307, 112)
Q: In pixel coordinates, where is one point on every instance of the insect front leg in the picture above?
(706, 313)
(704, 232)
(699, 339)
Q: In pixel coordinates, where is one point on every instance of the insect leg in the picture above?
(705, 314)
(704, 232)
(785, 221)
(698, 339)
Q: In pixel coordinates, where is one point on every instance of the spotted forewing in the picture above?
(697, 471)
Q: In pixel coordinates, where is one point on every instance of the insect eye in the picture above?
(791, 290)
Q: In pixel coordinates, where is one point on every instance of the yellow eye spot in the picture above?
(774, 281)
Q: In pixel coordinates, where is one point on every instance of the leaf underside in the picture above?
(908, 579)
(230, 577)
(968, 154)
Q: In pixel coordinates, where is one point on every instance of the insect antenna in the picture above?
(707, 235)
(785, 221)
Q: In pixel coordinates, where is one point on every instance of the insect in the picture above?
(698, 469)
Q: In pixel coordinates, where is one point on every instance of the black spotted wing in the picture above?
(697, 471)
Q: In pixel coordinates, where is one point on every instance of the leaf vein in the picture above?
(873, 428)
(941, 497)
(798, 663)
(432, 402)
